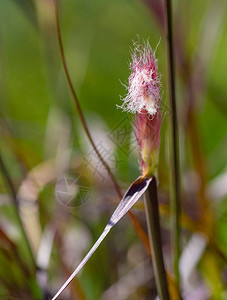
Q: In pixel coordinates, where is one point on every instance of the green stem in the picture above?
(176, 177)
(154, 233)
(16, 205)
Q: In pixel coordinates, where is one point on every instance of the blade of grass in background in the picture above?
(28, 6)
(15, 203)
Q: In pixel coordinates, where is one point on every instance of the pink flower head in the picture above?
(144, 83)
(143, 99)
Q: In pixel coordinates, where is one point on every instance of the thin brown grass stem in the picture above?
(79, 110)
(154, 233)
(175, 143)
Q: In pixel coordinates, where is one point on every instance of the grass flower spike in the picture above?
(143, 99)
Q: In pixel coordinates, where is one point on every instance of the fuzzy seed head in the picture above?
(144, 83)
(143, 99)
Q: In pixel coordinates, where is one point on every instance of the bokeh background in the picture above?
(64, 195)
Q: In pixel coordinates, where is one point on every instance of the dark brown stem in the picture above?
(154, 233)
(176, 177)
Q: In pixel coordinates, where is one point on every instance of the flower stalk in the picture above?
(143, 99)
(154, 233)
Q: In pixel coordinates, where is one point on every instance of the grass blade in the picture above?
(134, 192)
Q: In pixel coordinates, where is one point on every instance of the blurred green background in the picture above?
(40, 127)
